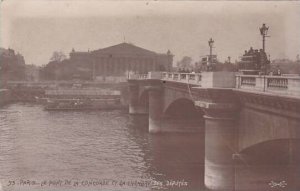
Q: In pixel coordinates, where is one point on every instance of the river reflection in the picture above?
(94, 146)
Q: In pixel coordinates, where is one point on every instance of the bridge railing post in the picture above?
(198, 78)
(238, 82)
(176, 76)
(192, 78)
(165, 75)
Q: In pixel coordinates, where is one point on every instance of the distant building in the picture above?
(286, 66)
(117, 61)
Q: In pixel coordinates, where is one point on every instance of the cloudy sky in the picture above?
(37, 28)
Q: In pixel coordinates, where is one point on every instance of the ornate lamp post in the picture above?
(229, 59)
(210, 44)
(264, 31)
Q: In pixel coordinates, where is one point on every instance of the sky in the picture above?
(38, 28)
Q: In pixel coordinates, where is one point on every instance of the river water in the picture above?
(112, 150)
(94, 150)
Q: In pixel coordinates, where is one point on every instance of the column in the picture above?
(119, 68)
(113, 67)
(135, 67)
(116, 67)
(108, 67)
(220, 145)
(154, 65)
(148, 65)
(123, 61)
(124, 67)
(100, 67)
(129, 64)
(144, 70)
(94, 68)
(105, 68)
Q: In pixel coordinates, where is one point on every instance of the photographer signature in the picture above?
(281, 184)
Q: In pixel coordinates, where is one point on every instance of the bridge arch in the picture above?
(274, 152)
(182, 108)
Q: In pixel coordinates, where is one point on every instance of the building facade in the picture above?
(119, 60)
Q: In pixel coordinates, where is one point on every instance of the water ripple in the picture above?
(43, 144)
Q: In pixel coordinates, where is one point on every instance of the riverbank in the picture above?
(30, 91)
(5, 96)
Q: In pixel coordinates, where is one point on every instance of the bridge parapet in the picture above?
(191, 78)
(150, 75)
(284, 85)
(138, 76)
(218, 79)
(287, 85)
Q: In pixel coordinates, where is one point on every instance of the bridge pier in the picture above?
(134, 106)
(220, 145)
(155, 109)
(137, 109)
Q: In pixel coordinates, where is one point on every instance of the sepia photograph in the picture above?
(149, 95)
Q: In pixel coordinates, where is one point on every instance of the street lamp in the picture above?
(264, 31)
(229, 59)
(210, 44)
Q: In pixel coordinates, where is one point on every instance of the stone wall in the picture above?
(5, 96)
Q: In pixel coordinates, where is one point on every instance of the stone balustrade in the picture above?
(192, 78)
(138, 76)
(282, 85)
(285, 84)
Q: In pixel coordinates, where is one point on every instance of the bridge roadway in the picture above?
(242, 116)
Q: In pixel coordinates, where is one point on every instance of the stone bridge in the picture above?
(243, 117)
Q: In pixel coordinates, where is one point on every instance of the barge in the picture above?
(83, 104)
(83, 99)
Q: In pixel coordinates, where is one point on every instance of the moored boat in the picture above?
(83, 104)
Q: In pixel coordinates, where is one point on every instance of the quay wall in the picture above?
(5, 96)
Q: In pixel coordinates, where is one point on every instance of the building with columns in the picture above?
(115, 62)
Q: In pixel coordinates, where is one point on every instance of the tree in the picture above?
(185, 63)
(58, 56)
(12, 66)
